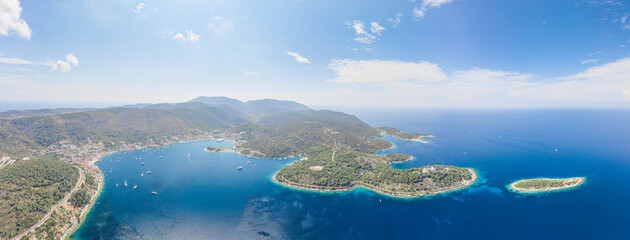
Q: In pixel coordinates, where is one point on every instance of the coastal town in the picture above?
(64, 218)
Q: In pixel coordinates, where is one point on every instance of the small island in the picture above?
(540, 185)
(417, 137)
(219, 149)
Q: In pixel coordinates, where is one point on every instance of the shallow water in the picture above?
(204, 197)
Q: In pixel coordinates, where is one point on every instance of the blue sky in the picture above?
(431, 53)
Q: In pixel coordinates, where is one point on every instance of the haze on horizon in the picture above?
(424, 53)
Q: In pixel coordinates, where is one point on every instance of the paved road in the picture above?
(64, 200)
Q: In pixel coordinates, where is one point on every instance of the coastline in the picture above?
(357, 185)
(85, 212)
(88, 209)
(418, 139)
(511, 187)
(393, 146)
(362, 185)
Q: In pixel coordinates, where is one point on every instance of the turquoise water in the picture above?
(204, 197)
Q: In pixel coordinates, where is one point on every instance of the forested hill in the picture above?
(23, 132)
(340, 153)
(28, 189)
(339, 147)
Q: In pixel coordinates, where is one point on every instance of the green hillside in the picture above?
(28, 189)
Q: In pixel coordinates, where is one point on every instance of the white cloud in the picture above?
(20, 61)
(596, 53)
(220, 25)
(375, 28)
(425, 84)
(189, 37)
(59, 65)
(419, 12)
(477, 75)
(70, 58)
(384, 71)
(395, 21)
(614, 71)
(298, 57)
(589, 61)
(10, 21)
(435, 3)
(65, 66)
(250, 74)
(365, 39)
(139, 8)
(358, 27)
(361, 34)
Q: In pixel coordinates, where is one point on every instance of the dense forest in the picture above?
(28, 189)
(80, 198)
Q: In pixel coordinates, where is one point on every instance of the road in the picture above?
(64, 200)
(334, 143)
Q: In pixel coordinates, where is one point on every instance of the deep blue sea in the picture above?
(202, 195)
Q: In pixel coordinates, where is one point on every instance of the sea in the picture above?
(202, 195)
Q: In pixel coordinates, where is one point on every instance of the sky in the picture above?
(422, 53)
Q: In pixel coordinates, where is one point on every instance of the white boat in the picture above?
(220, 140)
(149, 172)
(125, 183)
(154, 193)
(134, 187)
(239, 168)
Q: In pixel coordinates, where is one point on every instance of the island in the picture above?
(219, 149)
(339, 153)
(403, 135)
(540, 185)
